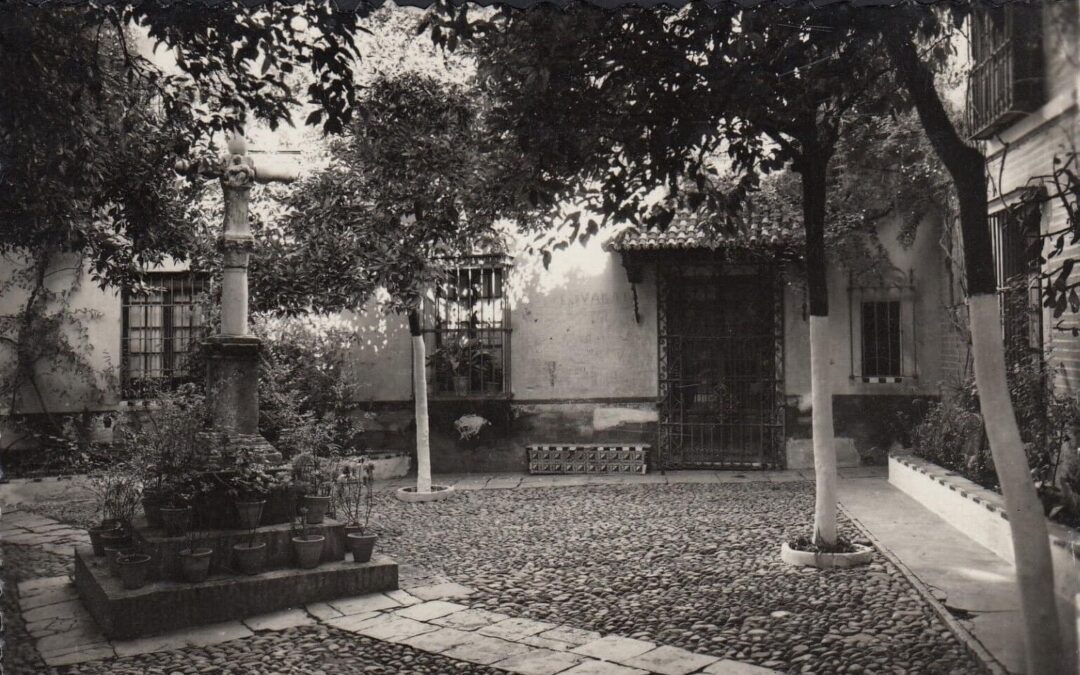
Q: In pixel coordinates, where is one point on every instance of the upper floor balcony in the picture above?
(1006, 80)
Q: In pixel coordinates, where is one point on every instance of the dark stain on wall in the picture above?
(875, 422)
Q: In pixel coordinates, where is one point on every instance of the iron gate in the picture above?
(721, 356)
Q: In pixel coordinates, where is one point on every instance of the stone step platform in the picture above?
(168, 605)
(164, 550)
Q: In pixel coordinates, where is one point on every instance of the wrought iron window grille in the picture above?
(159, 328)
(466, 327)
(881, 326)
(1017, 244)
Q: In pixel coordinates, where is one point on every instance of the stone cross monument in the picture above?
(233, 354)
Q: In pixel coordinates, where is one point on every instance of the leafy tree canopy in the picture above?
(413, 180)
(90, 127)
(631, 101)
(85, 151)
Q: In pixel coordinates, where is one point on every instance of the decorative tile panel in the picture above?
(587, 459)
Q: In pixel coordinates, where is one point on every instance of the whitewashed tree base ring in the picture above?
(827, 561)
(438, 493)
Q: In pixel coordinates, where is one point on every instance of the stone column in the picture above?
(233, 354)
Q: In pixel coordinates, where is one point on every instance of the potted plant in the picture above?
(117, 495)
(307, 545)
(195, 559)
(248, 485)
(455, 357)
(134, 568)
(176, 496)
(314, 475)
(163, 445)
(113, 551)
(250, 555)
(489, 371)
(354, 500)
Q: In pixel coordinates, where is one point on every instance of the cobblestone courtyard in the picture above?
(674, 578)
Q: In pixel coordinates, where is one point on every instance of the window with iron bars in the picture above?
(160, 327)
(467, 329)
(882, 327)
(881, 338)
(1006, 78)
(1014, 232)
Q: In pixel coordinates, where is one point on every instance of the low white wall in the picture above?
(968, 507)
(980, 514)
(389, 465)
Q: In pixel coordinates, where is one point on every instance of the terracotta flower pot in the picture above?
(361, 545)
(195, 564)
(133, 570)
(176, 521)
(249, 514)
(316, 508)
(250, 558)
(461, 385)
(112, 552)
(118, 538)
(308, 549)
(96, 541)
(151, 504)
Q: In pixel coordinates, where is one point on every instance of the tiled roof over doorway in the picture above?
(771, 219)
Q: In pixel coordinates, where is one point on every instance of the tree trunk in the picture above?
(423, 437)
(1031, 545)
(813, 167)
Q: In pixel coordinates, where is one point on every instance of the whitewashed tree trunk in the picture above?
(423, 437)
(1031, 546)
(813, 167)
(1030, 539)
(822, 428)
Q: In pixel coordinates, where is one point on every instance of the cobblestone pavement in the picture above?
(690, 566)
(613, 580)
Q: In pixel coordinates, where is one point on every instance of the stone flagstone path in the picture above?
(430, 613)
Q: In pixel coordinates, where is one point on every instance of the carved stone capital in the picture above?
(238, 171)
(237, 243)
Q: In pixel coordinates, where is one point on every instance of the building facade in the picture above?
(695, 345)
(1022, 77)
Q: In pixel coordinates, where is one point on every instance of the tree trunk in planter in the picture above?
(813, 167)
(423, 436)
(1031, 545)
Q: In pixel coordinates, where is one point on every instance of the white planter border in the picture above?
(980, 514)
(827, 561)
(437, 494)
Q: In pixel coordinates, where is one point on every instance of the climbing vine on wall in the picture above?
(48, 356)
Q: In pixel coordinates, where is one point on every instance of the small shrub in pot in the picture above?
(248, 484)
(162, 440)
(307, 545)
(176, 498)
(134, 569)
(117, 494)
(354, 500)
(314, 473)
(250, 556)
(195, 558)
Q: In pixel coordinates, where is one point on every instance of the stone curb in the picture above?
(978, 652)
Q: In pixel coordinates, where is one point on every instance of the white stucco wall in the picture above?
(97, 311)
(98, 314)
(573, 334)
(924, 257)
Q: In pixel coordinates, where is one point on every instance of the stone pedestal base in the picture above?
(232, 385)
(222, 447)
(162, 606)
